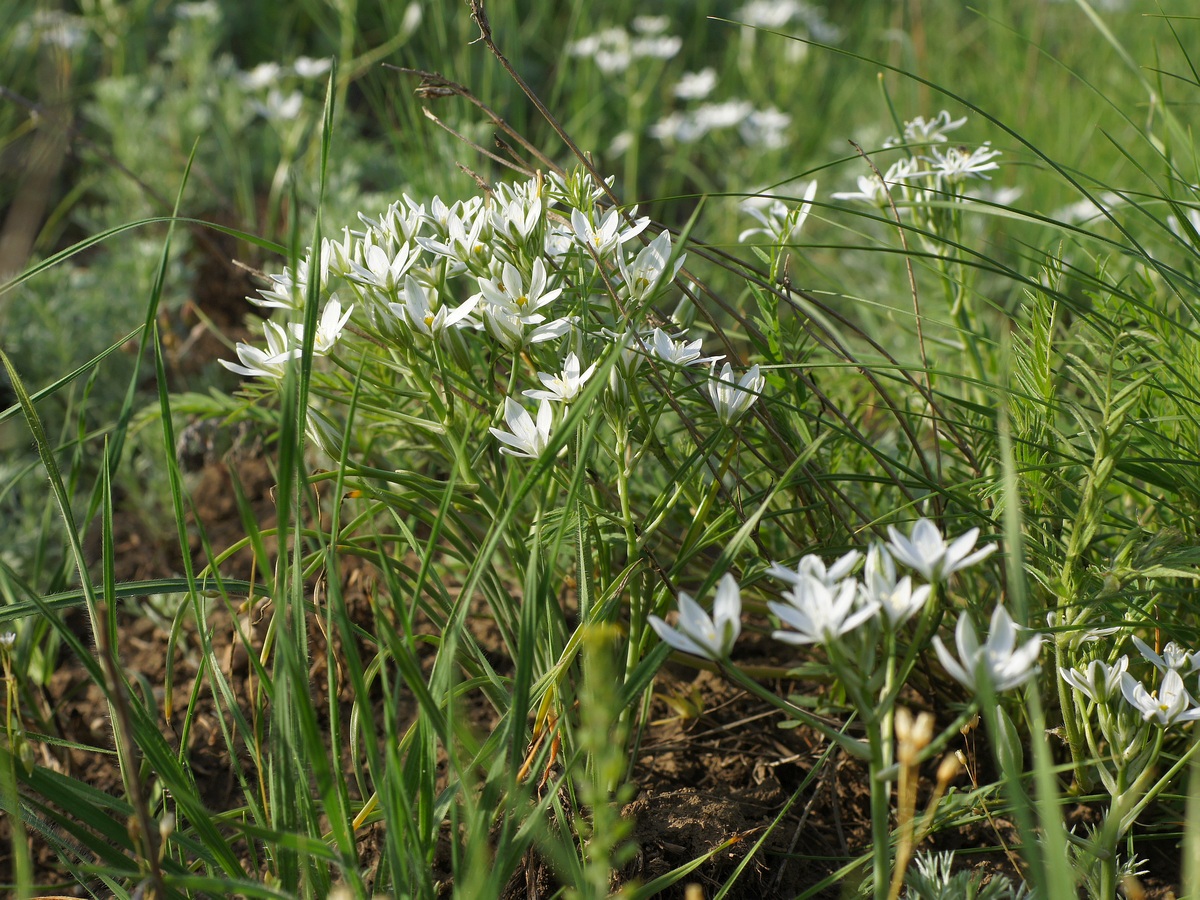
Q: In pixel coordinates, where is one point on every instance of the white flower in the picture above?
(926, 550)
(875, 192)
(609, 234)
(897, 599)
(680, 352)
(820, 613)
(656, 47)
(511, 306)
(956, 165)
(384, 271)
(732, 398)
(713, 116)
(261, 76)
(280, 107)
(651, 24)
(510, 290)
(307, 67)
(425, 314)
(920, 131)
(779, 223)
(1000, 660)
(564, 387)
(269, 363)
(696, 85)
(1099, 681)
(288, 290)
(516, 219)
(1173, 657)
(766, 128)
(1171, 703)
(648, 269)
(524, 437)
(1087, 210)
(812, 566)
(700, 635)
(769, 14)
(329, 328)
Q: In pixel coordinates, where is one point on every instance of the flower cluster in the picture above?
(615, 49)
(822, 604)
(766, 128)
(1169, 704)
(931, 171)
(538, 272)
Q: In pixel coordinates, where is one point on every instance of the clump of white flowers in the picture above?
(931, 170)
(823, 603)
(539, 274)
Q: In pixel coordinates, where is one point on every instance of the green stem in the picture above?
(1070, 717)
(881, 845)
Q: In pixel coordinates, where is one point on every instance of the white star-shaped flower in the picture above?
(1000, 660)
(927, 552)
(566, 386)
(731, 398)
(1171, 703)
(700, 635)
(524, 437)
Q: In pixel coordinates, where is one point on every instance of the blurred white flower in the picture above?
(732, 398)
(676, 128)
(766, 128)
(898, 599)
(1171, 703)
(711, 116)
(957, 164)
(696, 633)
(812, 566)
(651, 24)
(927, 552)
(1099, 681)
(818, 612)
(1087, 210)
(1173, 657)
(619, 145)
(656, 47)
(566, 386)
(1000, 660)
(696, 85)
(261, 76)
(307, 67)
(780, 223)
(524, 437)
(269, 363)
(203, 11)
(280, 107)
(768, 13)
(874, 191)
(680, 352)
(920, 131)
